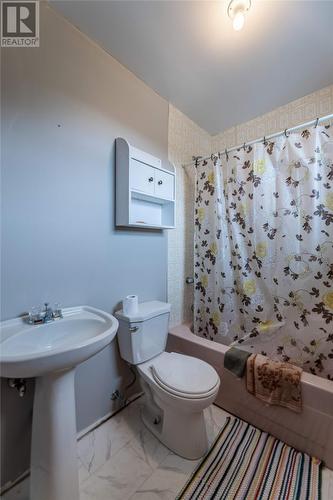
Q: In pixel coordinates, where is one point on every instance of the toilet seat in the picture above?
(181, 375)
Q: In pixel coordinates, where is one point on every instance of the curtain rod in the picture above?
(262, 139)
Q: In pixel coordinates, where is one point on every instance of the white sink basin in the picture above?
(31, 351)
(50, 353)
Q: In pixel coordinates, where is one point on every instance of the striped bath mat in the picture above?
(245, 463)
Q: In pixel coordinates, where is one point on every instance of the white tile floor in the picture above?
(122, 460)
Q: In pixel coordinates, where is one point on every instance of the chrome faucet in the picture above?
(48, 313)
(46, 316)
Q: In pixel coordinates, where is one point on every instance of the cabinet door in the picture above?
(141, 177)
(164, 185)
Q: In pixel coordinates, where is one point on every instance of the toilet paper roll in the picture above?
(130, 305)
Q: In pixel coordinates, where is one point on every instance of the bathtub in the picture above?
(310, 431)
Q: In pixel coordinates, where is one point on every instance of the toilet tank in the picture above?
(143, 335)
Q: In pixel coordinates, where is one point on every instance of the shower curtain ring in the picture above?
(316, 125)
(226, 154)
(244, 146)
(265, 141)
(285, 133)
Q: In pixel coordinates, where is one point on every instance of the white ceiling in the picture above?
(189, 53)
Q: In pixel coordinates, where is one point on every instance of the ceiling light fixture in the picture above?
(236, 11)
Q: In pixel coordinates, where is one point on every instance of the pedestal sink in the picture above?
(50, 353)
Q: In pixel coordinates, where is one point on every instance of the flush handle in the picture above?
(133, 329)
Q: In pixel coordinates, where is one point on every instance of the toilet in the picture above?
(177, 388)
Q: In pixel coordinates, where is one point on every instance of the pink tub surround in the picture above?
(274, 383)
(310, 431)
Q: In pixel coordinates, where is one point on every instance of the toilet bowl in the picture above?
(177, 388)
(174, 403)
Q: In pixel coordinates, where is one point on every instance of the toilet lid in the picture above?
(184, 374)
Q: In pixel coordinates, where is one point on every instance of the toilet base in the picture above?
(183, 432)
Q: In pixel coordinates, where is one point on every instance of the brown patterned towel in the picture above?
(273, 382)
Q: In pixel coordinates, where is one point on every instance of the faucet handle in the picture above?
(34, 316)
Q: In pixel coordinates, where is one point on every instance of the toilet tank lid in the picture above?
(146, 310)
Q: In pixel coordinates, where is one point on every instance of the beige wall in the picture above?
(187, 139)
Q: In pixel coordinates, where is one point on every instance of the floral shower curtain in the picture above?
(264, 249)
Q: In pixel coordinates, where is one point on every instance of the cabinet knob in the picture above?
(160, 182)
(150, 179)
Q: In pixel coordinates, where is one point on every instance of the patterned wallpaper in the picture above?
(186, 139)
(307, 108)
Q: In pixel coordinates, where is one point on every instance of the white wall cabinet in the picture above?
(145, 192)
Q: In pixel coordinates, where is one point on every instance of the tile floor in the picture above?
(122, 460)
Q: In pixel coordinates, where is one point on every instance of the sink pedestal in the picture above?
(54, 470)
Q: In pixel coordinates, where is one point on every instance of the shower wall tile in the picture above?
(186, 139)
(225, 140)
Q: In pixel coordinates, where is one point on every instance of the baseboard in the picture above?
(106, 417)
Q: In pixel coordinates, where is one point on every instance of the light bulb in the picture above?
(238, 21)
